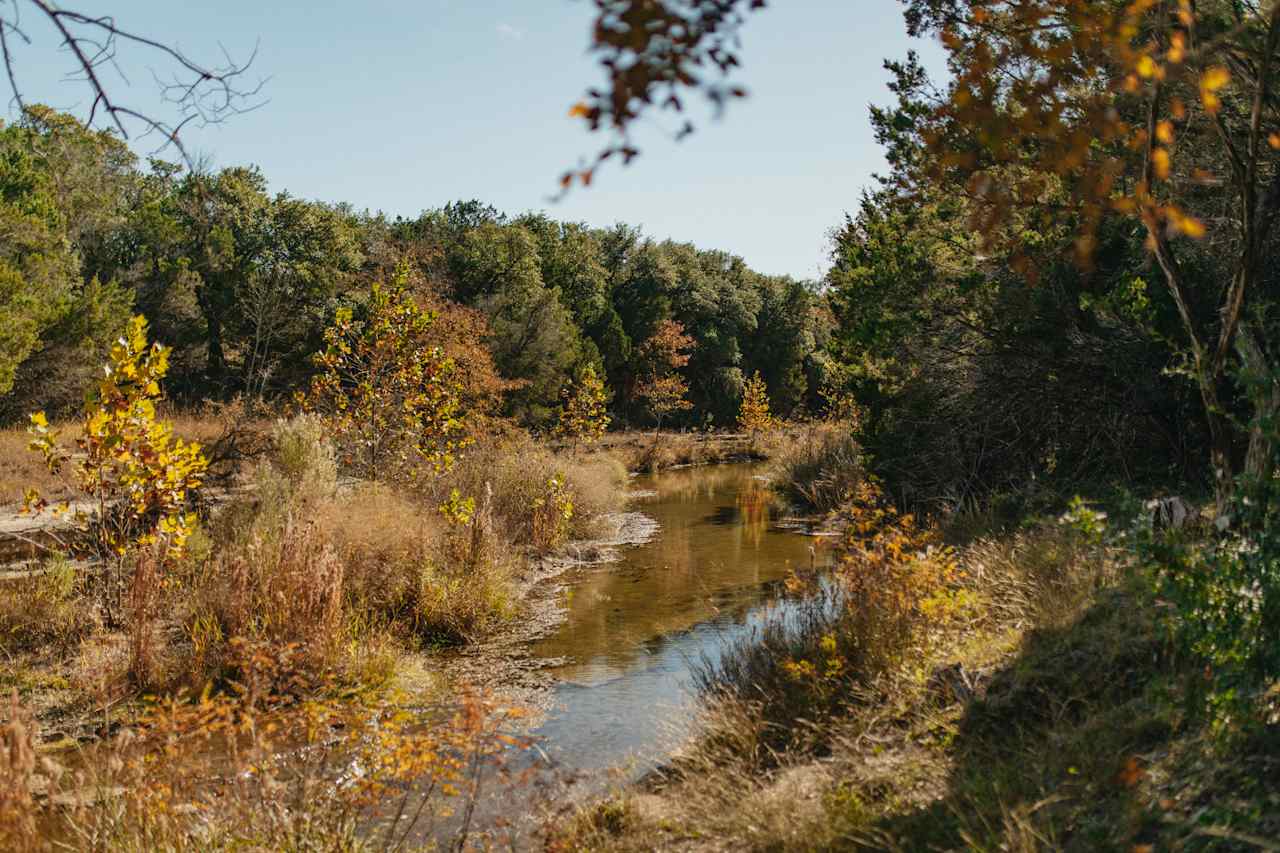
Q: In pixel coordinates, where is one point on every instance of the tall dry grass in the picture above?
(253, 769)
(519, 474)
(819, 468)
(48, 610)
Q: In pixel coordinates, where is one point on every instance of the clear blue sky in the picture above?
(401, 106)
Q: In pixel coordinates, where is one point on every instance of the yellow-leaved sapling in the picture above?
(138, 478)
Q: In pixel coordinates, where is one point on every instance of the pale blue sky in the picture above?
(401, 106)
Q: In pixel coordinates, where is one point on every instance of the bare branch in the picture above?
(204, 94)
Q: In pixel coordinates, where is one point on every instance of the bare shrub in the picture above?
(305, 455)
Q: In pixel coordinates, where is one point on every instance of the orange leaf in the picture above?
(1131, 773)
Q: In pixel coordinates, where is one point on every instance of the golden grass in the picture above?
(1051, 718)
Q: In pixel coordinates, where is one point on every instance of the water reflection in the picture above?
(633, 629)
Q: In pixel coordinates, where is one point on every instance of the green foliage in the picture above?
(389, 396)
(1225, 592)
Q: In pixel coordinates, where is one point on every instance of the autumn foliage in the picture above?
(662, 387)
(391, 397)
(754, 416)
(584, 416)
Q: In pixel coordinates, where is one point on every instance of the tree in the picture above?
(754, 415)
(263, 269)
(390, 396)
(1135, 109)
(62, 191)
(1058, 110)
(138, 476)
(583, 417)
(663, 389)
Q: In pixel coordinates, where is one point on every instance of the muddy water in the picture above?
(635, 628)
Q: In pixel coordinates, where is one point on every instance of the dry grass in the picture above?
(647, 452)
(1008, 732)
(819, 468)
(21, 469)
(47, 610)
(516, 473)
(254, 770)
(230, 433)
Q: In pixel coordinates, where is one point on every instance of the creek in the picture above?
(634, 630)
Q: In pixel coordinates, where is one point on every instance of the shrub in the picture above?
(1225, 590)
(136, 473)
(305, 455)
(583, 416)
(388, 395)
(822, 471)
(893, 587)
(139, 479)
(754, 416)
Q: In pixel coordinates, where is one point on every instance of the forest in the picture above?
(276, 465)
(241, 284)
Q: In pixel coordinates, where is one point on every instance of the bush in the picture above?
(1225, 589)
(821, 471)
(390, 396)
(531, 486)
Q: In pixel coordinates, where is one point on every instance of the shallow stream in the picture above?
(635, 628)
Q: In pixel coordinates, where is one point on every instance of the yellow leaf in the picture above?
(1160, 163)
(1215, 78)
(578, 110)
(1146, 67)
(1164, 132)
(1192, 227)
(1274, 140)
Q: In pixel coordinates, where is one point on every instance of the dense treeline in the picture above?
(241, 283)
(978, 379)
(981, 366)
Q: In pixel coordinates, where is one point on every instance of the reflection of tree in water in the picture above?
(752, 505)
(701, 483)
(710, 561)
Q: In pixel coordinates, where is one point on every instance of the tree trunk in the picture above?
(1263, 387)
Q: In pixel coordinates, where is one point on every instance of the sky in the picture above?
(403, 106)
